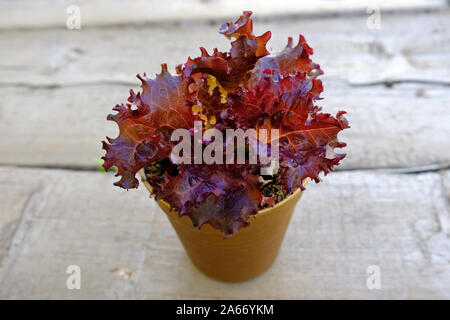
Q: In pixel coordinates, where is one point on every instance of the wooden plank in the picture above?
(29, 14)
(402, 127)
(345, 48)
(127, 249)
(14, 201)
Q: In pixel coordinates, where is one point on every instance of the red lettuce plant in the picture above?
(244, 88)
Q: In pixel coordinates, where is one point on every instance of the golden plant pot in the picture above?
(244, 255)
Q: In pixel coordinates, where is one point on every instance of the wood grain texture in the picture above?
(127, 249)
(406, 126)
(345, 48)
(58, 85)
(47, 13)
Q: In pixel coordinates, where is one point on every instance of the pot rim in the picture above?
(263, 211)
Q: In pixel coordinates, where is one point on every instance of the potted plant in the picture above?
(226, 147)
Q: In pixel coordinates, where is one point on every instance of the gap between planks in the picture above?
(201, 12)
(386, 170)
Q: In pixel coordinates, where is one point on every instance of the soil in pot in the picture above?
(272, 187)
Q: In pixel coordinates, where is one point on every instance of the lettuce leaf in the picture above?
(245, 88)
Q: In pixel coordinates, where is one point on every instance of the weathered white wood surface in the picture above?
(406, 126)
(345, 48)
(50, 13)
(57, 85)
(77, 76)
(126, 248)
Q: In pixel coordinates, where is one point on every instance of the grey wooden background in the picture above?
(388, 204)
